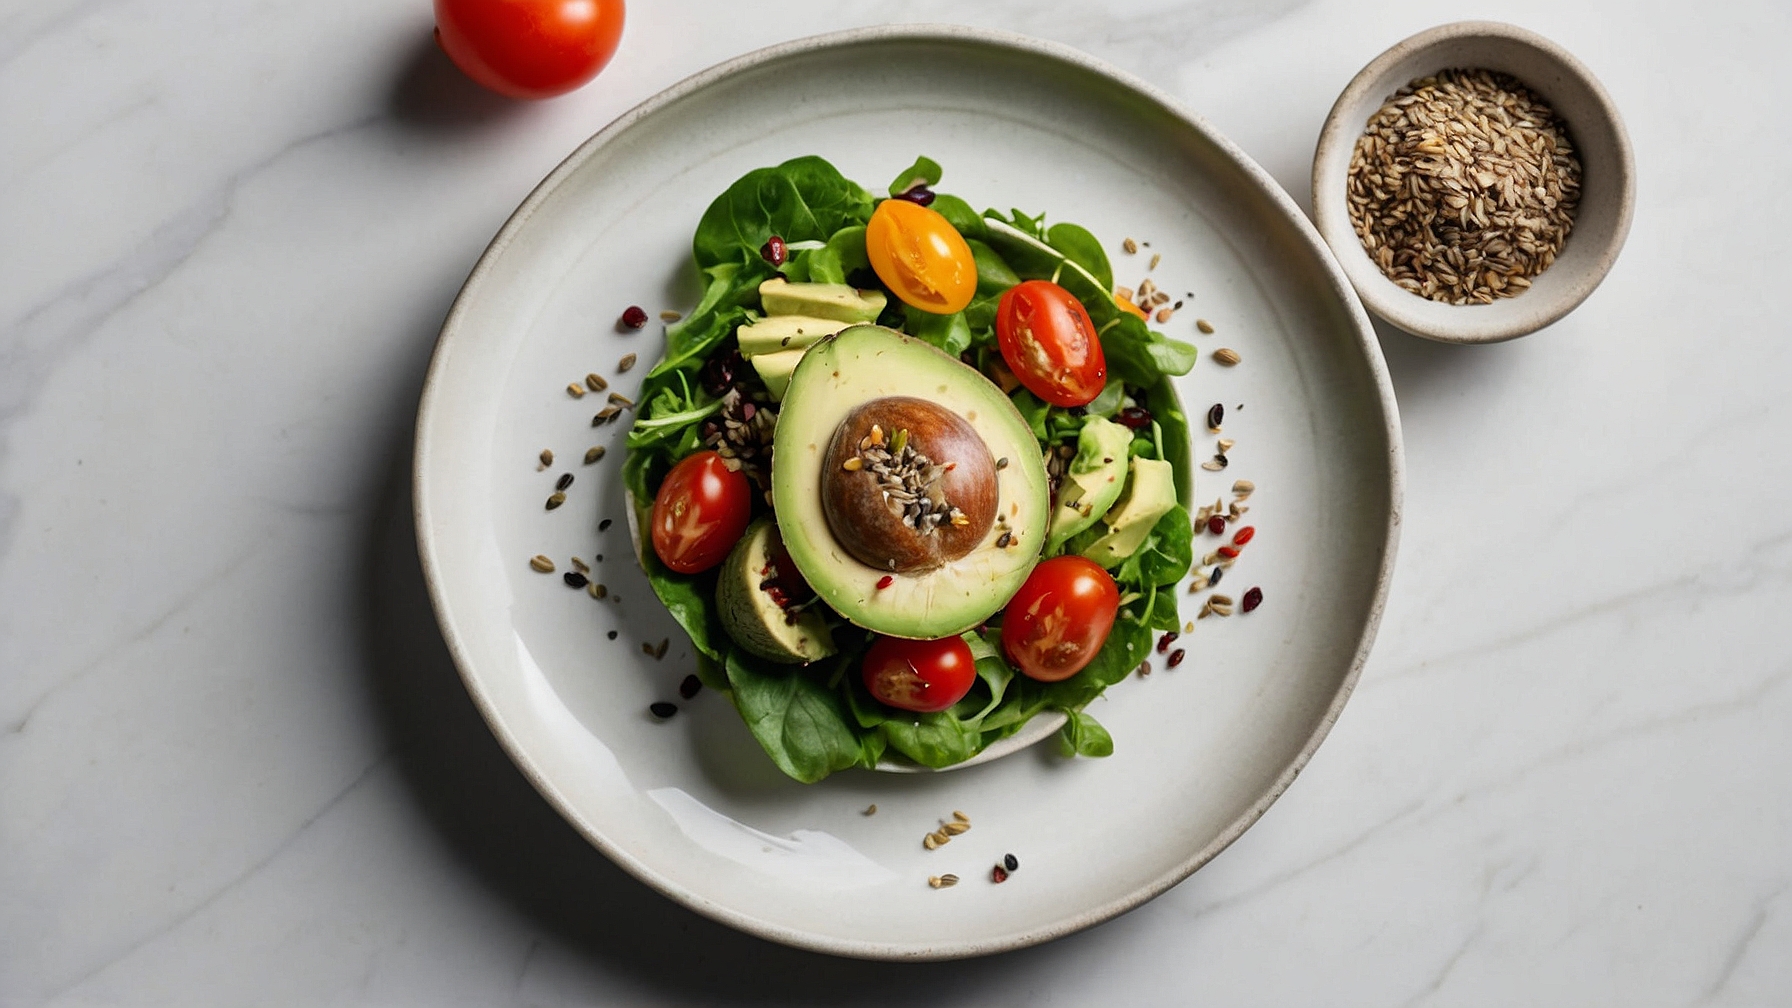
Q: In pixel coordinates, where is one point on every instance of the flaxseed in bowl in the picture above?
(1475, 183)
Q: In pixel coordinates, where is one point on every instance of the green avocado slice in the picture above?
(752, 617)
(835, 377)
(821, 300)
(1094, 480)
(784, 332)
(1150, 494)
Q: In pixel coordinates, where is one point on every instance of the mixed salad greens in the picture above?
(803, 221)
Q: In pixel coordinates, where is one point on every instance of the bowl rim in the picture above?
(431, 400)
(1388, 301)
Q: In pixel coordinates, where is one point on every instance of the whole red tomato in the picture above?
(1049, 342)
(1059, 619)
(529, 48)
(920, 675)
(699, 513)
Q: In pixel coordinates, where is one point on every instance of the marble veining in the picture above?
(235, 765)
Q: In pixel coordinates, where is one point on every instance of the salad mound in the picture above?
(908, 475)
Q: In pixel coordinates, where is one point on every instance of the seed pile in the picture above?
(909, 480)
(1463, 187)
(942, 836)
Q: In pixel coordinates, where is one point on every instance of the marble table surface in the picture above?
(235, 764)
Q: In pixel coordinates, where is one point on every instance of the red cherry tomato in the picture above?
(920, 675)
(1050, 344)
(700, 513)
(529, 48)
(1060, 618)
(921, 257)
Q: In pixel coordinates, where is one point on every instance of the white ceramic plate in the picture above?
(691, 806)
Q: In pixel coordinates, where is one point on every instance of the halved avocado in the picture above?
(753, 615)
(952, 577)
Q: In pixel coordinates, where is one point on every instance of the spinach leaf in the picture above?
(1139, 355)
(1107, 403)
(1082, 735)
(1127, 645)
(690, 598)
(843, 255)
(959, 214)
(932, 740)
(799, 722)
(994, 277)
(948, 332)
(1160, 610)
(925, 171)
(1167, 552)
(1081, 247)
(803, 199)
(1033, 410)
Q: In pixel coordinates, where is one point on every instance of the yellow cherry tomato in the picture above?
(921, 257)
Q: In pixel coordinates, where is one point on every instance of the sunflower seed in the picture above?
(1129, 245)
(555, 499)
(595, 382)
(542, 564)
(1226, 356)
(1204, 325)
(547, 457)
(594, 453)
(576, 390)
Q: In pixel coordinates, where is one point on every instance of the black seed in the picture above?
(689, 687)
(563, 482)
(662, 709)
(1215, 414)
(1214, 578)
(574, 579)
(1011, 862)
(1221, 459)
(611, 635)
(1002, 463)
(602, 525)
(598, 558)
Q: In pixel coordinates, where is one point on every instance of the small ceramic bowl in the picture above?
(1607, 179)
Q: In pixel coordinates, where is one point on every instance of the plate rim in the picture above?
(430, 401)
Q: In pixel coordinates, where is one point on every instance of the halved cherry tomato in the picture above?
(920, 675)
(1059, 619)
(1050, 344)
(529, 48)
(921, 257)
(699, 513)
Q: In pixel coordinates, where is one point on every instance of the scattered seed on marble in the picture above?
(603, 525)
(627, 361)
(662, 710)
(595, 382)
(689, 687)
(593, 453)
(542, 564)
(556, 499)
(1226, 356)
(1204, 325)
(574, 579)
(547, 457)
(1253, 599)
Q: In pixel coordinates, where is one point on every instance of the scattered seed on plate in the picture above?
(660, 652)
(1155, 259)
(547, 457)
(1243, 488)
(870, 809)
(1216, 524)
(1164, 314)
(1253, 599)
(646, 648)
(595, 382)
(1144, 669)
(1215, 414)
(598, 591)
(1244, 535)
(1204, 325)
(1214, 464)
(1176, 657)
(1130, 246)
(954, 828)
(1011, 862)
(960, 816)
(542, 564)
(931, 841)
(579, 565)
(670, 316)
(1188, 627)
(690, 686)
(1196, 583)
(634, 317)
(574, 579)
(942, 881)
(593, 453)
(556, 499)
(576, 390)
(605, 415)
(1214, 578)
(611, 634)
(563, 482)
(998, 874)
(1226, 356)
(627, 361)
(618, 399)
(1164, 642)
(662, 710)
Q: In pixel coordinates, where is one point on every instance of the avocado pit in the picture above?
(908, 486)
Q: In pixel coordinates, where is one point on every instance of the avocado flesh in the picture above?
(820, 300)
(784, 332)
(753, 620)
(775, 368)
(835, 377)
(1093, 481)
(1150, 494)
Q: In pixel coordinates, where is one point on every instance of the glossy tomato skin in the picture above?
(921, 257)
(1049, 342)
(919, 675)
(529, 48)
(1059, 619)
(699, 513)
